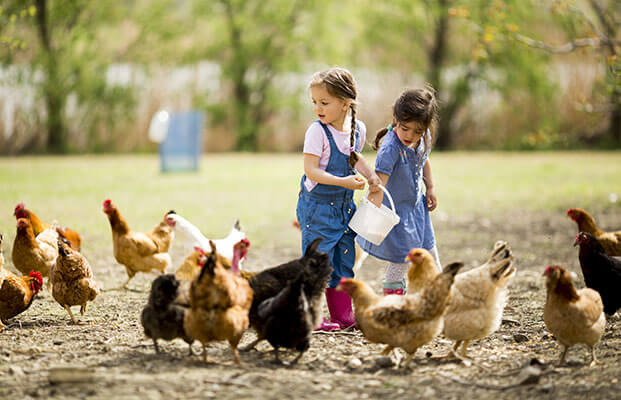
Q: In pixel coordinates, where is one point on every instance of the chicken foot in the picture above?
(75, 321)
(594, 359)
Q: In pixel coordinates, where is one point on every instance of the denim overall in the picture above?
(325, 212)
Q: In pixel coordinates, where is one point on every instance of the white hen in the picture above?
(191, 236)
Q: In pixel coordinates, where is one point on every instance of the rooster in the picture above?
(192, 237)
(72, 279)
(610, 241)
(17, 293)
(138, 251)
(601, 271)
(39, 226)
(573, 316)
(38, 253)
(408, 321)
(219, 305)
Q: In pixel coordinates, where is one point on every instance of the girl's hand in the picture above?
(374, 181)
(353, 182)
(432, 201)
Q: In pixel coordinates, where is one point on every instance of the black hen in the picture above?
(162, 317)
(601, 271)
(286, 319)
(313, 270)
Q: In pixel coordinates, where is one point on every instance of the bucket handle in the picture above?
(392, 204)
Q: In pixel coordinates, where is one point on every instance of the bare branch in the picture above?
(563, 48)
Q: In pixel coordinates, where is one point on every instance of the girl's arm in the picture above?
(313, 172)
(363, 167)
(377, 197)
(432, 201)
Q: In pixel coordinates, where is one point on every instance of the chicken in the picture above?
(422, 271)
(17, 294)
(601, 271)
(287, 318)
(72, 279)
(610, 241)
(408, 321)
(315, 268)
(138, 251)
(39, 226)
(192, 237)
(219, 305)
(38, 253)
(191, 265)
(478, 299)
(573, 316)
(162, 317)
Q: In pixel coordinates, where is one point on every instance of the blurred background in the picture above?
(79, 76)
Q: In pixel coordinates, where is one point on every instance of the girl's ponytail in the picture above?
(380, 134)
(353, 156)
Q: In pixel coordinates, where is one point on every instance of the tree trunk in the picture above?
(437, 55)
(52, 89)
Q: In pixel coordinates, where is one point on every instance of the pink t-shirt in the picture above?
(316, 143)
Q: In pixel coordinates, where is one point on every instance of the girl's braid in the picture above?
(353, 156)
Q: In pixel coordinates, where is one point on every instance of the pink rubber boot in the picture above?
(341, 313)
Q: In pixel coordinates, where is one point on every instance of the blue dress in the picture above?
(325, 212)
(404, 166)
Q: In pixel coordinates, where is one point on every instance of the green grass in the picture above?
(262, 189)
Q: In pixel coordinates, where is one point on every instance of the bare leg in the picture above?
(82, 309)
(455, 347)
(127, 282)
(190, 347)
(70, 314)
(408, 359)
(276, 357)
(157, 349)
(204, 353)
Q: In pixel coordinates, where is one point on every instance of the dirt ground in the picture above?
(42, 355)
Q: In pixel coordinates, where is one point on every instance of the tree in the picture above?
(593, 26)
(439, 40)
(254, 41)
(64, 55)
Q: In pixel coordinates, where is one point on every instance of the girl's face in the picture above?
(409, 133)
(329, 109)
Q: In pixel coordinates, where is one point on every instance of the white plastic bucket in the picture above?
(373, 223)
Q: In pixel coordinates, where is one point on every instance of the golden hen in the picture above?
(610, 241)
(573, 316)
(138, 251)
(39, 226)
(72, 280)
(38, 253)
(409, 321)
(219, 305)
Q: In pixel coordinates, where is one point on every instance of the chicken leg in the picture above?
(71, 314)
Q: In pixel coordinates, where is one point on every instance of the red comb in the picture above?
(37, 275)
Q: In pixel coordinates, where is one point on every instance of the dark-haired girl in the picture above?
(402, 165)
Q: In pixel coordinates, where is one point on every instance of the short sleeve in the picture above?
(314, 140)
(387, 157)
(362, 131)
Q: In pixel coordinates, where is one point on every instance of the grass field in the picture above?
(262, 189)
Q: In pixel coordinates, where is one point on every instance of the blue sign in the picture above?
(181, 149)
